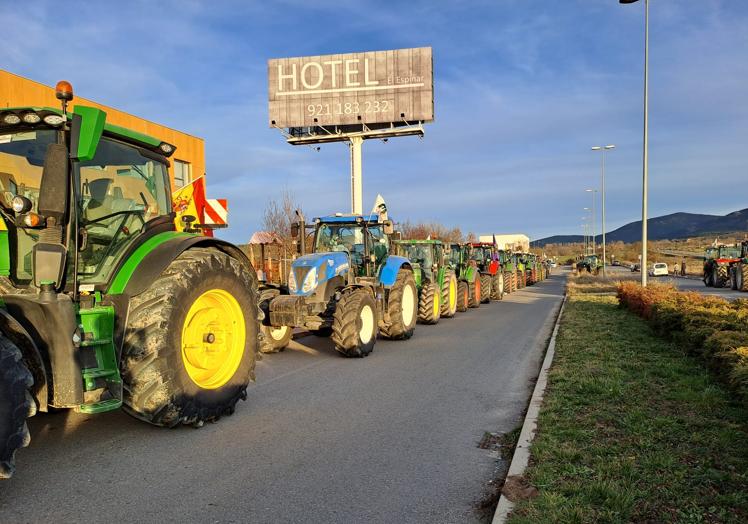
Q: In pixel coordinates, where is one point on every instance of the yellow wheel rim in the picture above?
(452, 294)
(437, 306)
(213, 339)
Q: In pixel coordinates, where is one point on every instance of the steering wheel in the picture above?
(140, 213)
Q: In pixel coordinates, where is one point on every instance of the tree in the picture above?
(278, 216)
(433, 230)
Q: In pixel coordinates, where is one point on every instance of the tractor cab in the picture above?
(486, 257)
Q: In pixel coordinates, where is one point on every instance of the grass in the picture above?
(633, 429)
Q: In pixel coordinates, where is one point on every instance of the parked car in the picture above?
(658, 270)
(635, 268)
(616, 263)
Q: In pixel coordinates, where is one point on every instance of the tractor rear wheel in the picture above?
(402, 306)
(191, 341)
(354, 324)
(497, 287)
(429, 304)
(722, 276)
(449, 295)
(463, 296)
(274, 339)
(485, 288)
(16, 405)
(474, 292)
(515, 286)
(741, 275)
(507, 282)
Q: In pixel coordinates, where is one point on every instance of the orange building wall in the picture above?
(16, 91)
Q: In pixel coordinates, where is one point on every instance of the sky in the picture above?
(523, 89)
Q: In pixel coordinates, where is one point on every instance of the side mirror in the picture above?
(295, 230)
(389, 227)
(54, 188)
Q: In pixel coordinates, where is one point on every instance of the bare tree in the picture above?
(433, 230)
(278, 216)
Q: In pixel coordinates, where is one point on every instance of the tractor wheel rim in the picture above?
(366, 331)
(437, 306)
(213, 339)
(407, 304)
(452, 294)
(279, 333)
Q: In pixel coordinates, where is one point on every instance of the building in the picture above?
(515, 242)
(188, 162)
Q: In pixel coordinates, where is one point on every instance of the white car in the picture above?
(659, 270)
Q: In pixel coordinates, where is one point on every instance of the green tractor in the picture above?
(436, 282)
(468, 277)
(103, 303)
(718, 264)
(521, 270)
(509, 264)
(739, 269)
(589, 263)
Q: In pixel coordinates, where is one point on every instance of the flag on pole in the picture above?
(380, 208)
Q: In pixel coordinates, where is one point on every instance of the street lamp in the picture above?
(594, 233)
(645, 155)
(603, 149)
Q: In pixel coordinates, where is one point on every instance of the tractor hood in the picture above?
(309, 271)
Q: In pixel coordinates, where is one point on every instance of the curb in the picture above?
(527, 434)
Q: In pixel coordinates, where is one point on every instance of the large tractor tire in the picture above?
(273, 339)
(507, 278)
(485, 288)
(742, 276)
(474, 293)
(734, 277)
(721, 276)
(191, 341)
(463, 296)
(497, 286)
(520, 279)
(515, 284)
(354, 324)
(429, 304)
(402, 306)
(449, 295)
(16, 405)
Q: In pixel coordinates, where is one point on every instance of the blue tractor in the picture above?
(349, 287)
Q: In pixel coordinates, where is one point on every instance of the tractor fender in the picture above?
(11, 328)
(391, 268)
(155, 262)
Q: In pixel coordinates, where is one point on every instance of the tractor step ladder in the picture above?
(102, 384)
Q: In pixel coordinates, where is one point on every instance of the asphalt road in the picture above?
(390, 438)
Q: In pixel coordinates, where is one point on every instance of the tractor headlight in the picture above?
(54, 120)
(11, 119)
(21, 204)
(310, 281)
(291, 282)
(31, 118)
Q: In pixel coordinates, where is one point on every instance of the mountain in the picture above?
(667, 227)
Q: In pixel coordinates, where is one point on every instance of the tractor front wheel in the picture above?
(463, 296)
(449, 295)
(429, 307)
(474, 292)
(402, 307)
(485, 288)
(354, 325)
(274, 339)
(191, 340)
(497, 287)
(16, 405)
(742, 276)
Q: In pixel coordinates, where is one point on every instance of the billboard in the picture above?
(376, 87)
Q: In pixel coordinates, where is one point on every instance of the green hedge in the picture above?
(712, 328)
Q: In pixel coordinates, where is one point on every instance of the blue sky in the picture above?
(523, 88)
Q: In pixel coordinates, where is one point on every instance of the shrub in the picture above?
(709, 327)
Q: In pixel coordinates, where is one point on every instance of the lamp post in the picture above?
(602, 150)
(645, 154)
(594, 232)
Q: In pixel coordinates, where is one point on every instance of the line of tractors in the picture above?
(727, 266)
(362, 280)
(106, 304)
